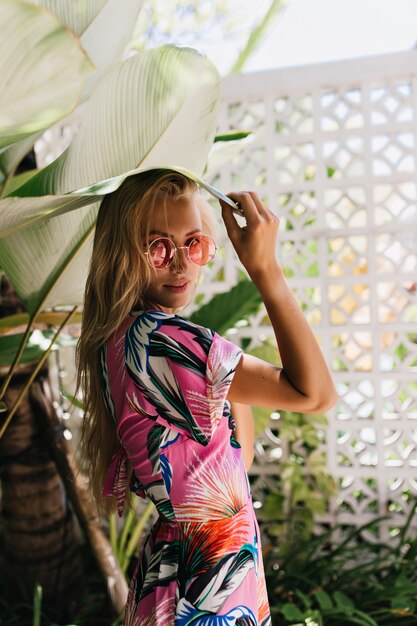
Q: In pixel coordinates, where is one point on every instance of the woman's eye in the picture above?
(193, 240)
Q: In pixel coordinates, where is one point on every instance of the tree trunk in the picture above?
(84, 506)
(43, 496)
(41, 542)
(40, 533)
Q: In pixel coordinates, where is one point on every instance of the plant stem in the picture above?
(130, 519)
(136, 535)
(37, 603)
(7, 180)
(113, 532)
(35, 372)
(257, 34)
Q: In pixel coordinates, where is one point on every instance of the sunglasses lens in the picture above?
(160, 253)
(202, 250)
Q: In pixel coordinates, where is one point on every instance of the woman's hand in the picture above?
(255, 242)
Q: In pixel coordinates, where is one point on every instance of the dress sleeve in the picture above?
(173, 366)
(221, 366)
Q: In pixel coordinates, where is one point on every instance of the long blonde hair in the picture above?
(118, 279)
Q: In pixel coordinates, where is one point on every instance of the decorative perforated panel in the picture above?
(334, 155)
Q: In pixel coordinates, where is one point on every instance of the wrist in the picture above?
(267, 277)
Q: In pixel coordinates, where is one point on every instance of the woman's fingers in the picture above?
(232, 227)
(263, 210)
(253, 210)
(250, 210)
(252, 206)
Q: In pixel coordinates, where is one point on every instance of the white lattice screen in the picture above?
(334, 154)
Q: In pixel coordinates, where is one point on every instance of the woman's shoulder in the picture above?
(154, 326)
(156, 320)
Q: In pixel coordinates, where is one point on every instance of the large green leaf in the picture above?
(223, 152)
(154, 109)
(35, 258)
(10, 157)
(16, 213)
(106, 37)
(52, 318)
(42, 70)
(157, 108)
(75, 15)
(105, 28)
(225, 309)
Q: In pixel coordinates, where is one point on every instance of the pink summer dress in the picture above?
(165, 381)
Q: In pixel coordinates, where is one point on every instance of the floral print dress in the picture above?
(165, 381)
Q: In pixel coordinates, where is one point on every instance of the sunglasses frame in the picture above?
(216, 247)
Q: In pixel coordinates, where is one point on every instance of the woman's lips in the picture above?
(179, 288)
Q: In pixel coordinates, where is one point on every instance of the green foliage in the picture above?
(262, 418)
(37, 343)
(72, 399)
(187, 21)
(336, 582)
(192, 21)
(304, 485)
(52, 47)
(125, 540)
(261, 415)
(232, 135)
(37, 603)
(226, 309)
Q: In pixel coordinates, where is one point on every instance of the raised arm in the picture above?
(304, 382)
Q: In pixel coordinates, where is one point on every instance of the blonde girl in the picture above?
(158, 389)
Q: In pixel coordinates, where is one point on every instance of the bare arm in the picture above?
(245, 430)
(304, 382)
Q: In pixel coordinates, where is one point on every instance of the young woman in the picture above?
(157, 387)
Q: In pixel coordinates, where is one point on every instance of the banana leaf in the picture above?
(104, 28)
(40, 87)
(156, 109)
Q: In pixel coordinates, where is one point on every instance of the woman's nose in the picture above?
(180, 260)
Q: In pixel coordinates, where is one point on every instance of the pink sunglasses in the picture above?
(200, 251)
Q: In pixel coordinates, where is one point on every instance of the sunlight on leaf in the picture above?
(41, 87)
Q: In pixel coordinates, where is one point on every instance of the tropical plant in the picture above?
(304, 485)
(125, 541)
(328, 581)
(37, 90)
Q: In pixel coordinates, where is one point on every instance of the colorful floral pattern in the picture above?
(165, 382)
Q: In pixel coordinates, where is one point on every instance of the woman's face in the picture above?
(180, 220)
